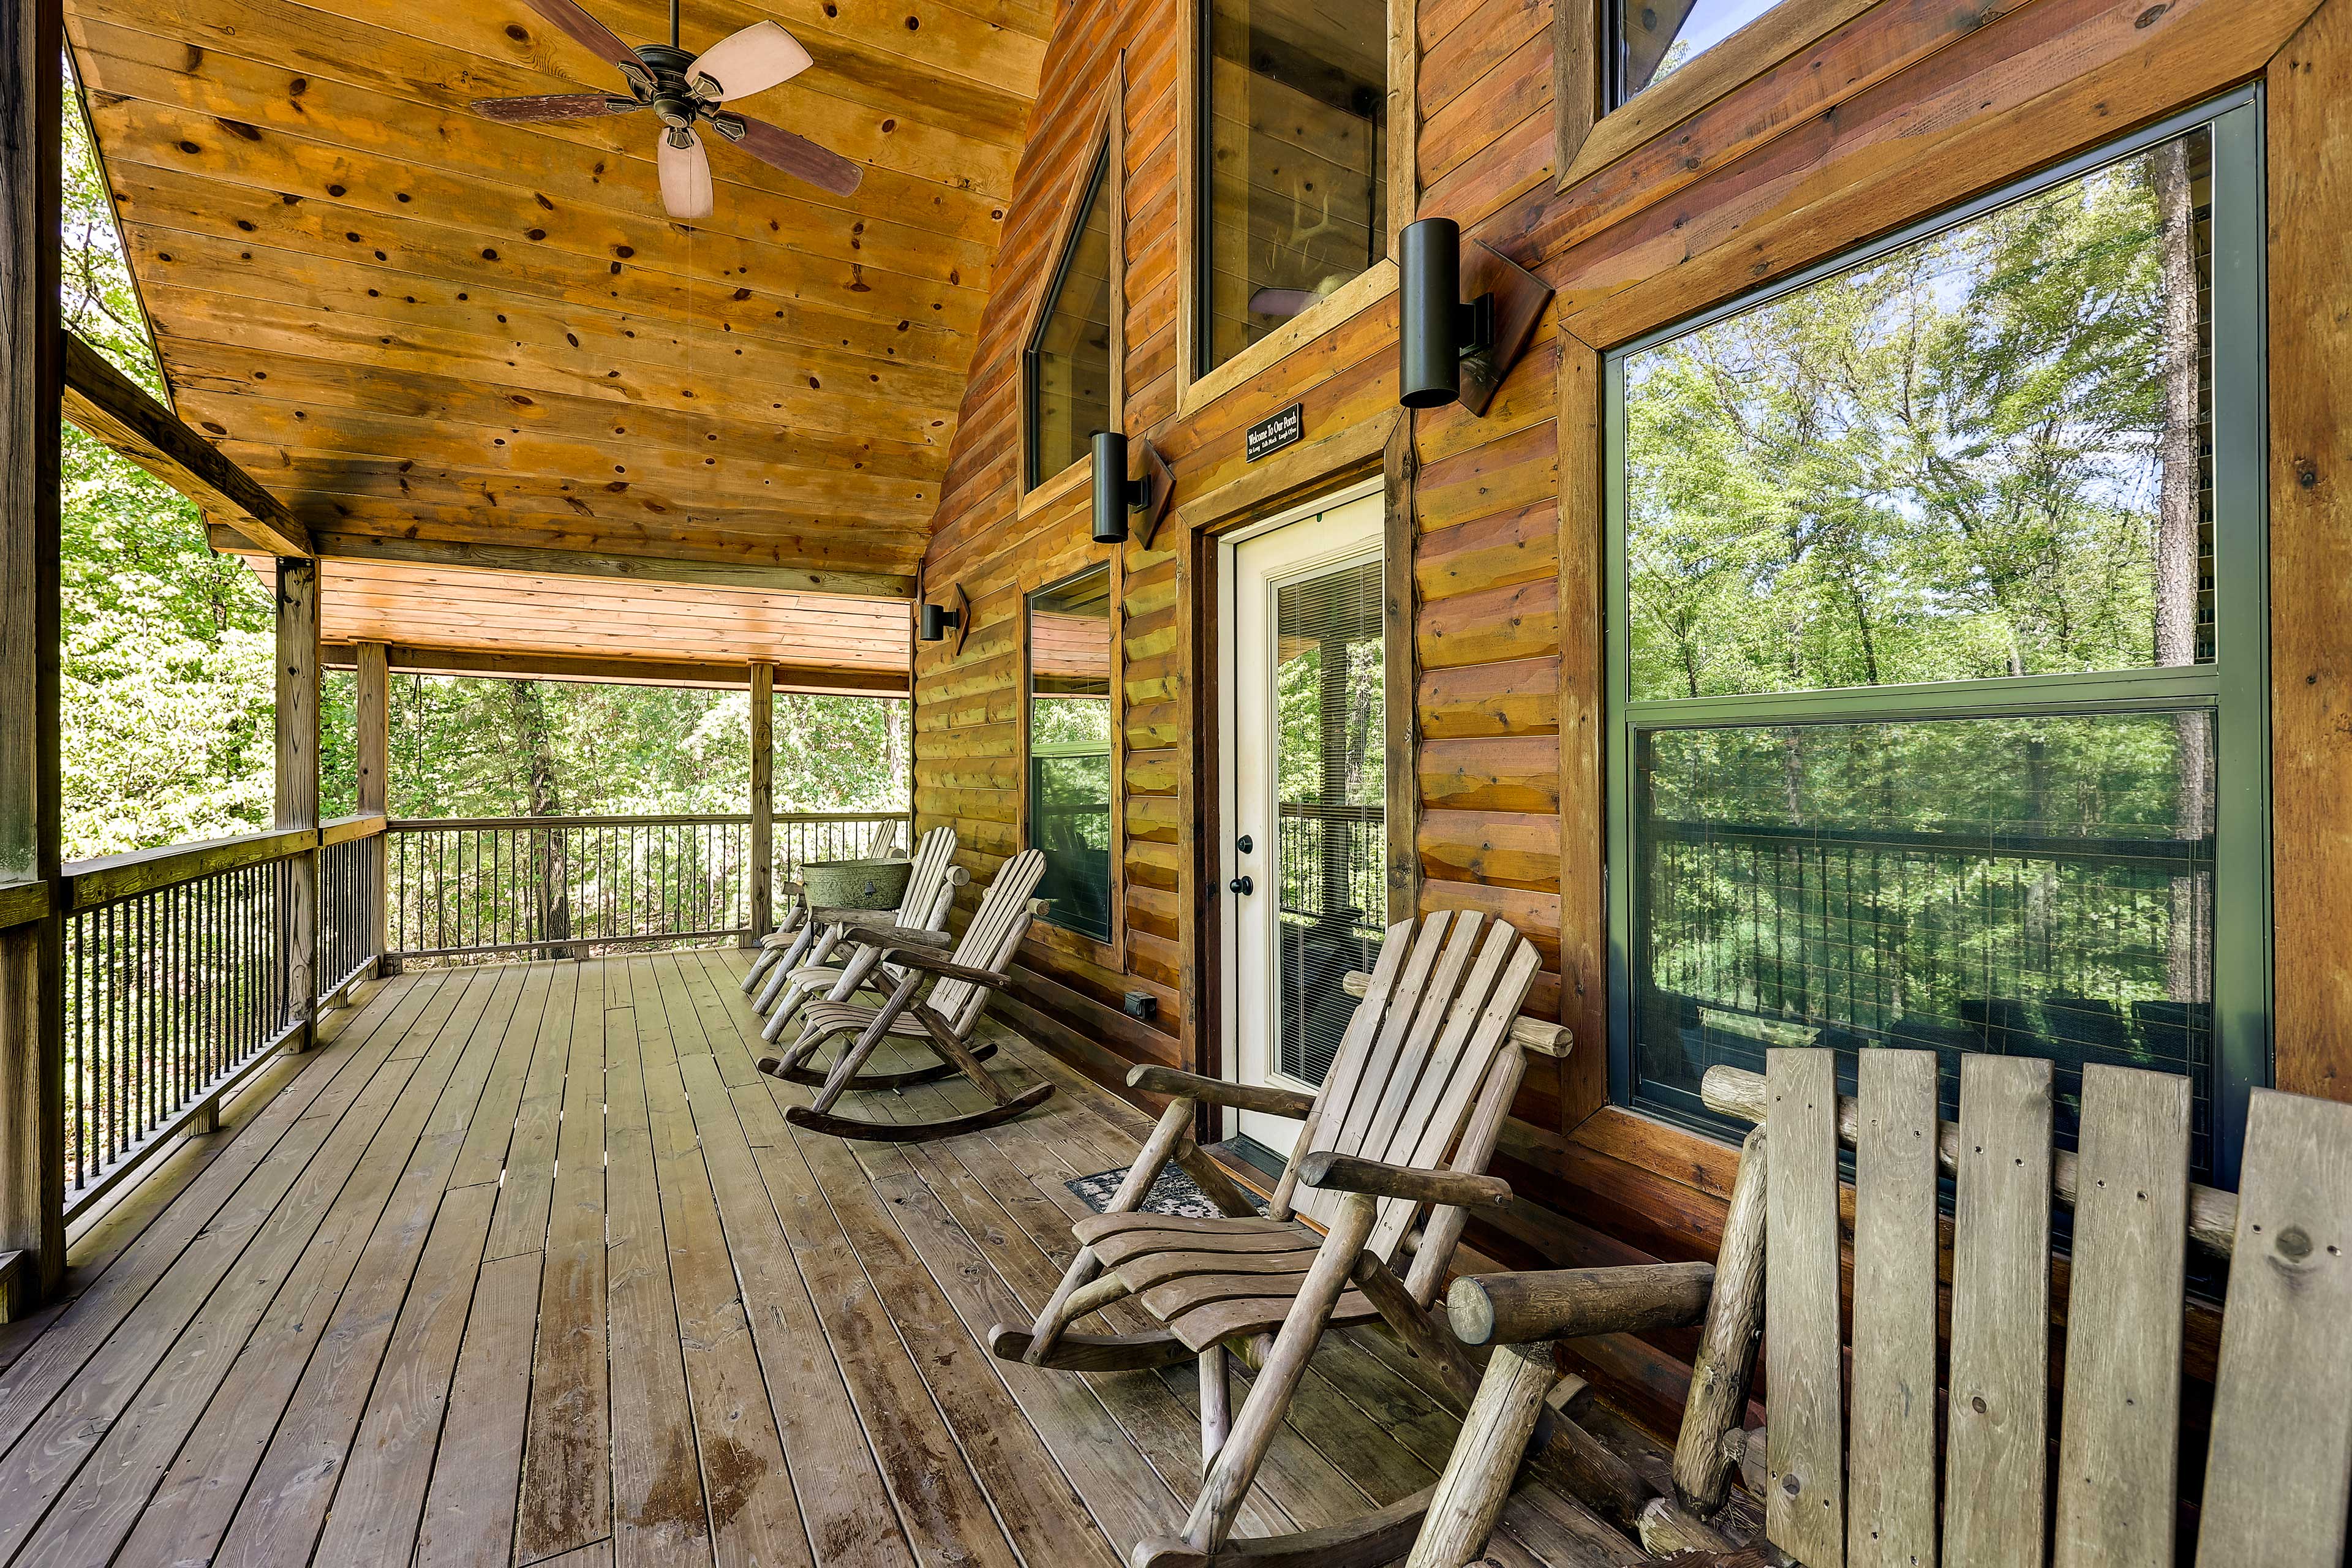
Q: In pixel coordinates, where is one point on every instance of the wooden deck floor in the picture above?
(523, 1265)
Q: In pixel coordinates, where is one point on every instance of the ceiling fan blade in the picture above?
(751, 60)
(553, 107)
(1282, 301)
(685, 174)
(587, 32)
(795, 155)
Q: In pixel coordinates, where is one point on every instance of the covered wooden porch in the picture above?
(524, 1265)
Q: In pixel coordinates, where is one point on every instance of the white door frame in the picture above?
(1275, 1132)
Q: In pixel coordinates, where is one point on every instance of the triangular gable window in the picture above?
(1069, 355)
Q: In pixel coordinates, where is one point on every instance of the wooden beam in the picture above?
(297, 779)
(414, 660)
(372, 727)
(32, 954)
(125, 416)
(780, 578)
(764, 801)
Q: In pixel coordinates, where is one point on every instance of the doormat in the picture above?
(1173, 1193)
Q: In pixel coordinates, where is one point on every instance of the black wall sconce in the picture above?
(1115, 495)
(1449, 351)
(935, 621)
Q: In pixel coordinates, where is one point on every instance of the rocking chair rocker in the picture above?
(807, 970)
(1428, 1067)
(776, 944)
(944, 1020)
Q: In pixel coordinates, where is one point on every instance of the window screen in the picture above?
(1932, 730)
(1070, 749)
(1330, 781)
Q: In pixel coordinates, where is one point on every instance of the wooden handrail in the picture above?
(89, 883)
(675, 819)
(22, 903)
(343, 829)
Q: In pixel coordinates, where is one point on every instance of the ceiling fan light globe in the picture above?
(750, 60)
(685, 174)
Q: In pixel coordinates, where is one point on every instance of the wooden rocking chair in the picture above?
(798, 916)
(1428, 1067)
(959, 983)
(1846, 1464)
(807, 970)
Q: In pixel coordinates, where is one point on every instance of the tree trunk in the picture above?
(548, 847)
(2179, 545)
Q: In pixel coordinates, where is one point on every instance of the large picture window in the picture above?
(1294, 185)
(1068, 371)
(1938, 647)
(1070, 753)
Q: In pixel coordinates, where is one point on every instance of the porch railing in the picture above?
(177, 982)
(570, 886)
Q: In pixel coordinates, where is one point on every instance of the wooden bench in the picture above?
(1850, 1475)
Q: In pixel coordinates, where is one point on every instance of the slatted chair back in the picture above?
(1427, 1069)
(925, 903)
(2279, 1468)
(884, 839)
(990, 940)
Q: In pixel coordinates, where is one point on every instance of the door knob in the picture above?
(1240, 885)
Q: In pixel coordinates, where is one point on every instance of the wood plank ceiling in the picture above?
(409, 322)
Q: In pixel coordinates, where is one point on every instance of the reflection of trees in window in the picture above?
(1295, 95)
(1070, 753)
(1649, 40)
(1069, 358)
(1977, 456)
(1983, 455)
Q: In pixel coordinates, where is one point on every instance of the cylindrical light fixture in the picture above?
(935, 620)
(1112, 493)
(1429, 344)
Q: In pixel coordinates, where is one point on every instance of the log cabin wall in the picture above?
(1827, 124)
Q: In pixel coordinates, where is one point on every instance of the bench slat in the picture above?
(2276, 1474)
(2118, 1446)
(1893, 1499)
(1804, 1503)
(1996, 1456)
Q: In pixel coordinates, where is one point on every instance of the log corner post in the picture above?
(372, 695)
(763, 803)
(298, 785)
(32, 948)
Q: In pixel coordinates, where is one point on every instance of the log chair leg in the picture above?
(1174, 1126)
(943, 1041)
(870, 1039)
(1413, 1326)
(1477, 1479)
(1727, 1347)
(1216, 1404)
(1228, 1480)
(791, 957)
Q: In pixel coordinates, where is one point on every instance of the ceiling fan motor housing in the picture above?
(672, 99)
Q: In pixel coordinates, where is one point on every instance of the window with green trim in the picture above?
(1938, 648)
(1068, 374)
(1070, 749)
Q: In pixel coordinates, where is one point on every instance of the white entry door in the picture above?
(1306, 780)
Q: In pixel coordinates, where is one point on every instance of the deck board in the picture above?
(523, 1264)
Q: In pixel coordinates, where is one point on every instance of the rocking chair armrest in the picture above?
(792, 885)
(932, 963)
(859, 925)
(1576, 1303)
(1264, 1098)
(1348, 1174)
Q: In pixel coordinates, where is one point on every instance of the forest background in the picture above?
(167, 690)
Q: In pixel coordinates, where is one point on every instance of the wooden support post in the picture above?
(297, 782)
(1216, 1404)
(373, 681)
(32, 952)
(763, 802)
(1477, 1479)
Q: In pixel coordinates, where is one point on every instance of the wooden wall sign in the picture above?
(1275, 432)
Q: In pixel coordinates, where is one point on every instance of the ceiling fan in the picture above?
(683, 89)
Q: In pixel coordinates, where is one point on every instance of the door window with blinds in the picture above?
(1294, 149)
(1939, 653)
(1070, 749)
(1330, 772)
